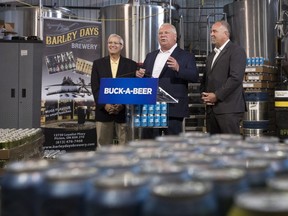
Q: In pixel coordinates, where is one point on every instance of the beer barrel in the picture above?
(256, 118)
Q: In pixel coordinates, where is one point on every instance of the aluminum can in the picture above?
(278, 183)
(190, 198)
(257, 61)
(120, 194)
(65, 191)
(258, 172)
(150, 120)
(114, 165)
(21, 184)
(137, 121)
(157, 121)
(253, 61)
(163, 171)
(143, 121)
(278, 160)
(261, 61)
(137, 109)
(144, 110)
(227, 183)
(248, 61)
(157, 108)
(260, 203)
(164, 107)
(163, 120)
(151, 109)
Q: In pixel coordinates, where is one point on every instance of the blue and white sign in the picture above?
(128, 91)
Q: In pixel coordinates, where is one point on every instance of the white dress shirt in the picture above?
(217, 51)
(160, 61)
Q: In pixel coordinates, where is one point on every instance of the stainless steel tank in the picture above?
(138, 25)
(253, 26)
(27, 19)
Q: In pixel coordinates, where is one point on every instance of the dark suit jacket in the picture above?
(225, 79)
(175, 83)
(102, 68)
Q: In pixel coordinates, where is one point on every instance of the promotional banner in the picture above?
(128, 91)
(67, 108)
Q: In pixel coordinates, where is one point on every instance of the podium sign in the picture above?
(128, 91)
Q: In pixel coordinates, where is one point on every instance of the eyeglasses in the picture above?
(114, 43)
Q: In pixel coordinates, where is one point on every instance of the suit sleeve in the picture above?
(95, 82)
(187, 67)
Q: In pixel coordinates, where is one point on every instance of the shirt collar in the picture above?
(115, 62)
(218, 50)
(170, 50)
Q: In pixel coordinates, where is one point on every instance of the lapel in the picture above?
(220, 55)
(107, 67)
(150, 63)
(120, 67)
(209, 60)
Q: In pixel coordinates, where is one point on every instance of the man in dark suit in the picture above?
(175, 68)
(222, 82)
(111, 118)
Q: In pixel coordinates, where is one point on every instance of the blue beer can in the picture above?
(157, 108)
(137, 109)
(191, 198)
(151, 109)
(163, 120)
(150, 120)
(20, 188)
(227, 183)
(248, 61)
(65, 191)
(143, 121)
(137, 122)
(253, 63)
(257, 61)
(157, 121)
(164, 107)
(261, 61)
(144, 109)
(120, 194)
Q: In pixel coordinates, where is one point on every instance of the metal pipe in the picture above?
(170, 12)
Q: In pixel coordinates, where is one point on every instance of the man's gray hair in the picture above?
(117, 36)
(173, 29)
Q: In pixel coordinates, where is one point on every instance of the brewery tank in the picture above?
(138, 26)
(253, 26)
(27, 19)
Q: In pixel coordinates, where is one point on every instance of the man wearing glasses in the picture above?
(111, 118)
